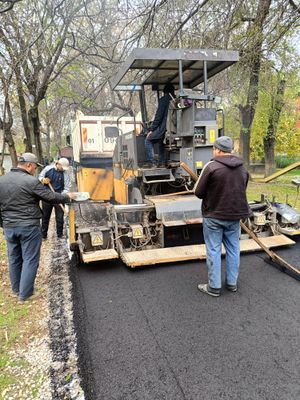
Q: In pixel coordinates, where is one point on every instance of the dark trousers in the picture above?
(23, 247)
(59, 217)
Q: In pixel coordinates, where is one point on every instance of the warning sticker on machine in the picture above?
(212, 135)
(97, 238)
(137, 231)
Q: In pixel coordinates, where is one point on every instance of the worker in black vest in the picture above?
(158, 128)
(58, 177)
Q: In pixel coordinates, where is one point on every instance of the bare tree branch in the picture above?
(7, 5)
(183, 23)
(295, 6)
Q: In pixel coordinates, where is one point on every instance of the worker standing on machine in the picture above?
(158, 128)
(59, 180)
(222, 186)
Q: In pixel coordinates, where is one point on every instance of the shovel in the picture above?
(60, 205)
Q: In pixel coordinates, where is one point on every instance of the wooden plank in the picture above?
(289, 231)
(99, 255)
(164, 255)
(193, 252)
(279, 173)
(189, 171)
(276, 258)
(269, 242)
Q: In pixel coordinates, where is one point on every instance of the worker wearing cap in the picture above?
(58, 179)
(20, 194)
(222, 188)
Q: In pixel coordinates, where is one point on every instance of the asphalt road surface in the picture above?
(149, 334)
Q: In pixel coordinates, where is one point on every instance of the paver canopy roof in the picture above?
(145, 66)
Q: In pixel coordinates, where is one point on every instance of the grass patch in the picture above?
(11, 320)
(20, 324)
(5, 381)
(282, 189)
(11, 316)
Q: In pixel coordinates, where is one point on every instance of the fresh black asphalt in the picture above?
(149, 334)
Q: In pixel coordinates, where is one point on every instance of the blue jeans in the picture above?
(23, 247)
(216, 232)
(149, 149)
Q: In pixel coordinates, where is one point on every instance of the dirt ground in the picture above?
(38, 344)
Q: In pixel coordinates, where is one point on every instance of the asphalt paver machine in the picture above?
(154, 222)
(154, 216)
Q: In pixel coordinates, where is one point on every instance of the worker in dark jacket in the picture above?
(222, 186)
(158, 128)
(20, 193)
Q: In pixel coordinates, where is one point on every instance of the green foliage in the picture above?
(260, 125)
(288, 141)
(232, 123)
(287, 136)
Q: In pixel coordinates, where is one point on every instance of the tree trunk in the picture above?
(28, 141)
(33, 117)
(8, 138)
(270, 138)
(11, 145)
(48, 141)
(254, 53)
(48, 131)
(269, 146)
(2, 155)
(246, 120)
(23, 109)
(6, 124)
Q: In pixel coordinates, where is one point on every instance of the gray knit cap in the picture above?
(224, 143)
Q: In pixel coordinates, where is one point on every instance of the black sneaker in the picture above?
(231, 288)
(205, 288)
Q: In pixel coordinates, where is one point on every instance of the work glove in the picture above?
(45, 181)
